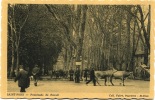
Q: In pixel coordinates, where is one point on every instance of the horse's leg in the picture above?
(105, 81)
(108, 80)
(97, 81)
(111, 80)
(123, 81)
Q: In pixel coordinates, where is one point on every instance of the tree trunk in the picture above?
(12, 57)
(81, 33)
(128, 42)
(17, 58)
(146, 34)
(147, 50)
(12, 62)
(133, 49)
(17, 48)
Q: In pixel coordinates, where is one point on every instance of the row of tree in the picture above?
(33, 38)
(102, 35)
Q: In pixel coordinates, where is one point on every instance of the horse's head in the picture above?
(129, 74)
(114, 70)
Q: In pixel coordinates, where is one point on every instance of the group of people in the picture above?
(58, 73)
(77, 75)
(23, 77)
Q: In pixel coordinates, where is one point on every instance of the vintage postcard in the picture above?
(77, 49)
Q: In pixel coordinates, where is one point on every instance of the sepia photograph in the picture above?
(78, 49)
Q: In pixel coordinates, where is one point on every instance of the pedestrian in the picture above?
(92, 77)
(71, 73)
(57, 73)
(43, 73)
(29, 74)
(23, 79)
(35, 73)
(77, 75)
(86, 74)
(66, 74)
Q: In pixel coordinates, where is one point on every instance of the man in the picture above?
(85, 74)
(92, 77)
(57, 73)
(23, 79)
(35, 73)
(71, 73)
(77, 75)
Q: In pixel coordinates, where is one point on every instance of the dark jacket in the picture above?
(23, 79)
(85, 73)
(92, 74)
(71, 72)
(35, 71)
(77, 73)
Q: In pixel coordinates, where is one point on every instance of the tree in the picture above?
(16, 22)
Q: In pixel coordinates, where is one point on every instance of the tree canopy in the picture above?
(103, 35)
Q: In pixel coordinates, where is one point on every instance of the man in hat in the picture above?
(35, 73)
(23, 79)
(92, 77)
(71, 73)
(85, 74)
(77, 75)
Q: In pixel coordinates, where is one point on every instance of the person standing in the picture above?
(92, 77)
(35, 73)
(77, 75)
(71, 73)
(85, 74)
(23, 79)
(29, 74)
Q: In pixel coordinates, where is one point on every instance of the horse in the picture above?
(110, 74)
(105, 75)
(121, 75)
